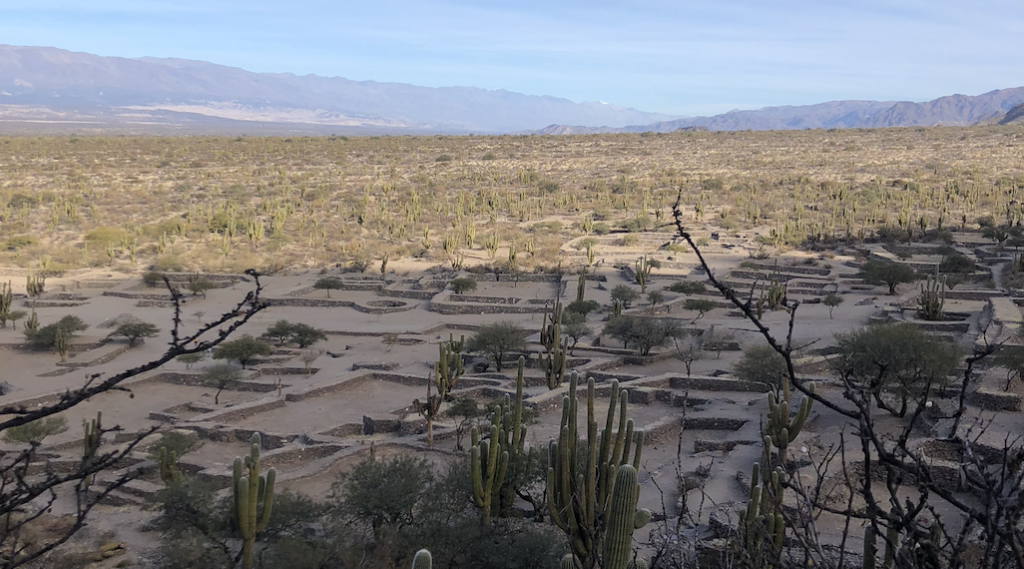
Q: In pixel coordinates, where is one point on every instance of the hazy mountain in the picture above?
(80, 86)
(1013, 116)
(954, 110)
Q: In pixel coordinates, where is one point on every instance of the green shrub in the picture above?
(20, 242)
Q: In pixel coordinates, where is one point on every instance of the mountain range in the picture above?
(45, 89)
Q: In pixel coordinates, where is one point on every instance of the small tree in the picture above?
(498, 339)
(190, 359)
(328, 284)
(389, 340)
(305, 335)
(895, 358)
(309, 356)
(1010, 358)
(625, 295)
(701, 305)
(655, 297)
(198, 285)
(221, 376)
(583, 307)
(643, 333)
(889, 273)
(761, 364)
(34, 432)
(832, 300)
(136, 331)
(280, 332)
(463, 284)
(243, 350)
(688, 350)
(574, 325)
(464, 411)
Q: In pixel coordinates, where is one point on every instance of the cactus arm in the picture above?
(618, 542)
(422, 560)
(268, 500)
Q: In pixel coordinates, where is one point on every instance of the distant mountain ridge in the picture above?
(54, 90)
(953, 110)
(85, 85)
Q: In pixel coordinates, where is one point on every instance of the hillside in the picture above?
(117, 90)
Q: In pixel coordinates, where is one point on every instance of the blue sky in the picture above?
(684, 57)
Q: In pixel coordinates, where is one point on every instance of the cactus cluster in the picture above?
(493, 490)
(642, 273)
(253, 498)
(35, 285)
(783, 429)
(582, 478)
(892, 537)
(932, 301)
(448, 368)
(764, 528)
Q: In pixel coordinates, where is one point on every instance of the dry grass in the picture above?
(225, 204)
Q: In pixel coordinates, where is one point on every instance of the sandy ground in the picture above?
(305, 421)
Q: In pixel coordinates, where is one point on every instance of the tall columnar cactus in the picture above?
(253, 498)
(774, 294)
(931, 303)
(493, 492)
(169, 473)
(35, 285)
(870, 547)
(91, 441)
(551, 328)
(449, 368)
(642, 273)
(32, 324)
(555, 364)
(783, 429)
(581, 287)
(582, 473)
(6, 302)
(61, 344)
(555, 348)
(623, 518)
(422, 560)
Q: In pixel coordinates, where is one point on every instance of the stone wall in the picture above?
(717, 384)
(995, 401)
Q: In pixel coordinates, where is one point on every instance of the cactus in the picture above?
(490, 459)
(933, 297)
(32, 324)
(422, 560)
(60, 343)
(581, 287)
(169, 472)
(555, 347)
(6, 302)
(763, 518)
(35, 285)
(781, 429)
(250, 492)
(581, 473)
(448, 368)
(642, 273)
(91, 442)
(774, 295)
(623, 518)
(556, 363)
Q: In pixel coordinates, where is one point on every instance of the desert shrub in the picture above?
(36, 431)
(463, 284)
(443, 158)
(761, 364)
(167, 264)
(43, 338)
(601, 228)
(20, 242)
(173, 441)
(625, 294)
(152, 279)
(687, 287)
(104, 236)
(384, 493)
(583, 307)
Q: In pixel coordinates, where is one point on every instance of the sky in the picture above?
(680, 57)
